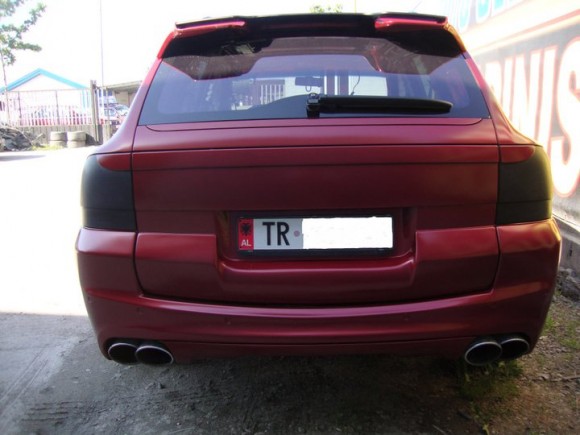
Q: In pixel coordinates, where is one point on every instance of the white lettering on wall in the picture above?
(545, 115)
(566, 168)
(526, 93)
(531, 87)
(506, 95)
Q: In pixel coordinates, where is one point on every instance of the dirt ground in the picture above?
(543, 391)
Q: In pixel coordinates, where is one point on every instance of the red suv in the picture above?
(316, 184)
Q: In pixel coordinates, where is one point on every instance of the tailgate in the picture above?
(435, 179)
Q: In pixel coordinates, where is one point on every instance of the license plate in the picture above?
(303, 234)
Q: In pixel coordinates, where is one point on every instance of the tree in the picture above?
(11, 35)
(317, 9)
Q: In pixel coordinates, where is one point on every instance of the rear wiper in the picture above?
(317, 104)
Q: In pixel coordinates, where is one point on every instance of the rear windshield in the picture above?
(255, 80)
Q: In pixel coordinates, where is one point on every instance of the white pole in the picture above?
(6, 99)
(102, 45)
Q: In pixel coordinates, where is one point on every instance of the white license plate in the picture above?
(287, 234)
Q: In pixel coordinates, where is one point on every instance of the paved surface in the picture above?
(39, 220)
(42, 316)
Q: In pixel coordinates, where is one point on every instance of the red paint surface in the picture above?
(452, 276)
(207, 329)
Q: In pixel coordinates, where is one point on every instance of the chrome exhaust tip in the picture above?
(513, 346)
(483, 351)
(153, 354)
(123, 352)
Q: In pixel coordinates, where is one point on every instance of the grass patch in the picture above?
(46, 148)
(570, 338)
(487, 387)
(549, 325)
(564, 330)
(493, 381)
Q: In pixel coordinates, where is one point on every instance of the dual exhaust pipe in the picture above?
(481, 352)
(133, 352)
(487, 349)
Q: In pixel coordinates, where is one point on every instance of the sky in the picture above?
(69, 32)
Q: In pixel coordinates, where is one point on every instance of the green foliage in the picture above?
(570, 335)
(318, 9)
(565, 333)
(491, 384)
(45, 147)
(11, 34)
(549, 325)
(496, 380)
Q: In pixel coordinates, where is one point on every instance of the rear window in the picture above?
(253, 80)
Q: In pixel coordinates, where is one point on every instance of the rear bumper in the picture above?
(517, 303)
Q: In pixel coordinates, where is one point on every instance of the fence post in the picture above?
(6, 96)
(19, 108)
(57, 108)
(95, 112)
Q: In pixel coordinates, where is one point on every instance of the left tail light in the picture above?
(107, 193)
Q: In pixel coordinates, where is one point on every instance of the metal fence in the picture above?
(41, 112)
(63, 107)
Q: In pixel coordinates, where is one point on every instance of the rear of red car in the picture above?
(316, 184)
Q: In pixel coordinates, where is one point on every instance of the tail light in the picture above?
(525, 189)
(107, 193)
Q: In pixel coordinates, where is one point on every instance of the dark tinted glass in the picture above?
(272, 80)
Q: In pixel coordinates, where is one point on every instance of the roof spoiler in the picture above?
(387, 22)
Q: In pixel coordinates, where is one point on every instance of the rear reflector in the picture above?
(107, 197)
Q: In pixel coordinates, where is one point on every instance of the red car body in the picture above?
(474, 253)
